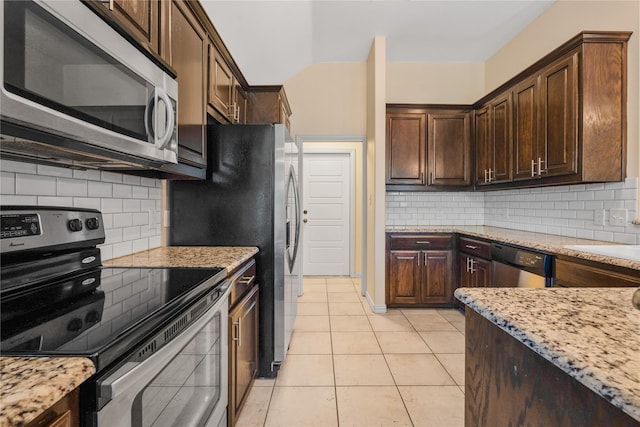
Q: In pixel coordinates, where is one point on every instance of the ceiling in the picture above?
(272, 41)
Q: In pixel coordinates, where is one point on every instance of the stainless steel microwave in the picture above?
(77, 93)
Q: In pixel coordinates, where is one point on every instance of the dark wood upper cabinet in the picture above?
(525, 128)
(428, 147)
(493, 135)
(187, 55)
(449, 148)
(568, 120)
(268, 104)
(406, 147)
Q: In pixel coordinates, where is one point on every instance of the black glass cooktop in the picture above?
(101, 313)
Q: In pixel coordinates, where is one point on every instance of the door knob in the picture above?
(304, 211)
(305, 220)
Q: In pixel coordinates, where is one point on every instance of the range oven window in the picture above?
(188, 388)
(49, 63)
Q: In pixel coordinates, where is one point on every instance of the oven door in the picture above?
(185, 383)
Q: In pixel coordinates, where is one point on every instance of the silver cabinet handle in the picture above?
(404, 257)
(423, 242)
(471, 247)
(471, 264)
(492, 175)
(246, 280)
(468, 259)
(540, 170)
(238, 336)
(533, 167)
(485, 176)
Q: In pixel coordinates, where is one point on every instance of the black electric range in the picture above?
(56, 299)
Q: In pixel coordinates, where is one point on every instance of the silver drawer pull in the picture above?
(471, 247)
(423, 242)
(246, 280)
(404, 257)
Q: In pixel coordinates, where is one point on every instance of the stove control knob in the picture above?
(93, 223)
(92, 317)
(75, 225)
(74, 325)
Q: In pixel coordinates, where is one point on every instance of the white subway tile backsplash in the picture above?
(122, 191)
(7, 183)
(127, 204)
(72, 187)
(565, 210)
(35, 185)
(55, 201)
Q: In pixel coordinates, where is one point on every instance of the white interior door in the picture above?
(326, 214)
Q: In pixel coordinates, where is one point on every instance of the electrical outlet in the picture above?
(618, 217)
(598, 217)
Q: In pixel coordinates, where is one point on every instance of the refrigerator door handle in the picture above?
(293, 184)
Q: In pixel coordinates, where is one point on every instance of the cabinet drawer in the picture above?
(572, 274)
(243, 280)
(421, 241)
(475, 247)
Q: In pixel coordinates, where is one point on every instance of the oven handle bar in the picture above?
(133, 376)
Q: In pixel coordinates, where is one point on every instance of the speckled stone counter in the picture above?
(31, 385)
(228, 257)
(550, 243)
(591, 334)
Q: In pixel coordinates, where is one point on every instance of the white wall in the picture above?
(130, 205)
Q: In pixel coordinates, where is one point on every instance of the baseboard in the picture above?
(382, 308)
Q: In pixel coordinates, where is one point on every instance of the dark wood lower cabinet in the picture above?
(420, 278)
(473, 272)
(571, 272)
(65, 413)
(507, 384)
(243, 352)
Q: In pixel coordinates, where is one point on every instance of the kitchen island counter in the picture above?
(228, 257)
(591, 335)
(31, 385)
(551, 243)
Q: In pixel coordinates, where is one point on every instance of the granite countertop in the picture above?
(550, 243)
(591, 334)
(229, 257)
(31, 385)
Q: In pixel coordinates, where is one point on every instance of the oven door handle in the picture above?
(129, 379)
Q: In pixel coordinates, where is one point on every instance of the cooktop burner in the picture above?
(98, 313)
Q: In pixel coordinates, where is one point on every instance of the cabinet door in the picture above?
(406, 148)
(525, 131)
(558, 135)
(484, 145)
(436, 277)
(449, 148)
(221, 84)
(465, 279)
(243, 351)
(404, 277)
(481, 272)
(501, 139)
(188, 48)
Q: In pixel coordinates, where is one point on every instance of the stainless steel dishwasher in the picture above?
(512, 266)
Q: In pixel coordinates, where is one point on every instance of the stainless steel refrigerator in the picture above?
(251, 197)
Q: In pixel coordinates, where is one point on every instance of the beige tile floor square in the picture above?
(355, 343)
(313, 297)
(312, 324)
(345, 308)
(402, 342)
(441, 406)
(361, 369)
(367, 378)
(302, 406)
(310, 343)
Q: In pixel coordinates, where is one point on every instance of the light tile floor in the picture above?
(348, 366)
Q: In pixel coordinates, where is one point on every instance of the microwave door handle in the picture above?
(161, 142)
(148, 109)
